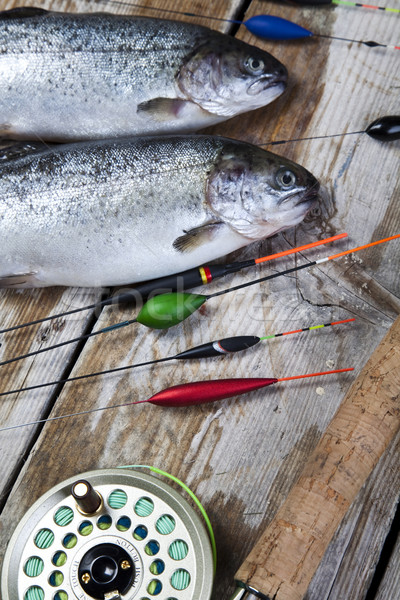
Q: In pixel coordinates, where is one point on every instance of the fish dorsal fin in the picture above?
(20, 150)
(22, 12)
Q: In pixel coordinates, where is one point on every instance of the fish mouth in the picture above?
(267, 82)
(310, 198)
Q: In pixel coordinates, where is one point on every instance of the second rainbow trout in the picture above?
(116, 212)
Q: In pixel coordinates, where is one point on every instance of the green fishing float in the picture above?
(167, 310)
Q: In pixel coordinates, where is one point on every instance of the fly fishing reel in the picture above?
(109, 535)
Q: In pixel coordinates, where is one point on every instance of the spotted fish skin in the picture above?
(67, 77)
(120, 211)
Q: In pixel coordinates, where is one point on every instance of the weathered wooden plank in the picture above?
(358, 538)
(390, 585)
(24, 306)
(241, 457)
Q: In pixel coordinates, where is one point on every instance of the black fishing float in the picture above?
(216, 348)
(384, 129)
(182, 281)
(167, 310)
(195, 393)
(264, 26)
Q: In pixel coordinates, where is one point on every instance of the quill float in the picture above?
(196, 393)
(217, 348)
(384, 129)
(86, 214)
(264, 26)
(167, 310)
(186, 279)
(281, 565)
(346, 3)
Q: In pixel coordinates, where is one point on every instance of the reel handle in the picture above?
(286, 557)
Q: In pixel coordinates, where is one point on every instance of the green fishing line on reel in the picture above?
(117, 534)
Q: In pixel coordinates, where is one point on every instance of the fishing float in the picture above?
(194, 394)
(384, 129)
(167, 310)
(263, 26)
(345, 3)
(190, 278)
(217, 348)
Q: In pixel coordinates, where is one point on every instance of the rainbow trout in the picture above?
(67, 76)
(120, 211)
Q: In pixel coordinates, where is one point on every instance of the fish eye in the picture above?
(253, 65)
(285, 178)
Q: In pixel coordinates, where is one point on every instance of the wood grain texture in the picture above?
(24, 306)
(390, 586)
(242, 456)
(284, 560)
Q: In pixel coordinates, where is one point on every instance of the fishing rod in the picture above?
(263, 26)
(167, 310)
(217, 348)
(126, 505)
(185, 279)
(193, 394)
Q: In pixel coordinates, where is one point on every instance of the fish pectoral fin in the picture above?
(162, 109)
(22, 12)
(196, 237)
(20, 150)
(18, 280)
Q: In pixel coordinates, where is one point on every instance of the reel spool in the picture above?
(111, 534)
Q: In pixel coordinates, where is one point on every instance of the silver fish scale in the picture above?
(119, 211)
(107, 32)
(142, 49)
(73, 205)
(97, 76)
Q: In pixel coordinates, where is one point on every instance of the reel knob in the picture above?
(112, 534)
(88, 501)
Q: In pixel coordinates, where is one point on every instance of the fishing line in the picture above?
(108, 534)
(384, 129)
(346, 3)
(167, 310)
(306, 265)
(176, 549)
(191, 394)
(263, 26)
(216, 348)
(82, 337)
(183, 280)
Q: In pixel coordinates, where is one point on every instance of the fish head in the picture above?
(258, 193)
(226, 77)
